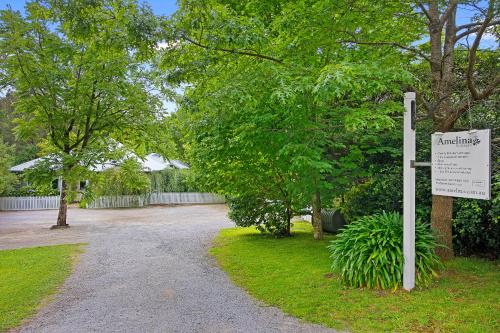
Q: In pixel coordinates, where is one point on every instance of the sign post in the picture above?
(460, 168)
(409, 191)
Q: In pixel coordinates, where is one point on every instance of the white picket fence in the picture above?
(29, 203)
(166, 198)
(122, 201)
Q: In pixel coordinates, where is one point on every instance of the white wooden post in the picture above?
(59, 184)
(409, 192)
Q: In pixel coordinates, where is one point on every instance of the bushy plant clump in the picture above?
(476, 225)
(265, 215)
(173, 180)
(369, 253)
(127, 179)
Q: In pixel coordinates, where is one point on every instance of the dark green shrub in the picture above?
(384, 192)
(476, 225)
(369, 253)
(38, 189)
(265, 215)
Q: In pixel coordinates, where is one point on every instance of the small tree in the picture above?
(78, 71)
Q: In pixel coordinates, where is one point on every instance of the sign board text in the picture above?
(461, 164)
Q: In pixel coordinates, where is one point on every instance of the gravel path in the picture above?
(144, 270)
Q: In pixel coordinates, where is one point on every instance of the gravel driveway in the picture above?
(143, 270)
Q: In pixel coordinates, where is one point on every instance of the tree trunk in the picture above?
(289, 223)
(288, 214)
(443, 79)
(316, 216)
(441, 216)
(63, 208)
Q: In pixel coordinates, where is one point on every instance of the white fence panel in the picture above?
(29, 203)
(164, 198)
(172, 198)
(122, 201)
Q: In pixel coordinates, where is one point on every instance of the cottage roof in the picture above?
(26, 165)
(150, 163)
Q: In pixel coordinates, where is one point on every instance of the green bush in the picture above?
(173, 180)
(265, 215)
(39, 189)
(476, 225)
(369, 253)
(384, 192)
(127, 179)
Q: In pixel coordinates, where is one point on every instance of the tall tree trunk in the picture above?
(63, 207)
(442, 85)
(316, 216)
(441, 216)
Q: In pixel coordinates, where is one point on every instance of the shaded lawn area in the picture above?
(294, 275)
(28, 276)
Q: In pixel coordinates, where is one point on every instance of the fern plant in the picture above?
(369, 253)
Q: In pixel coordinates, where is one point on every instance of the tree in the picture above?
(445, 40)
(444, 104)
(277, 80)
(7, 179)
(78, 71)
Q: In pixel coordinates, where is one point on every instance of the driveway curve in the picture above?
(143, 270)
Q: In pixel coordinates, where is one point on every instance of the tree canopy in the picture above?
(282, 105)
(80, 71)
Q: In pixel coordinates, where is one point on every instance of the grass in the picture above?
(294, 275)
(28, 276)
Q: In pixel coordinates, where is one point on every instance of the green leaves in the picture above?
(7, 179)
(83, 73)
(127, 179)
(265, 215)
(368, 253)
(279, 105)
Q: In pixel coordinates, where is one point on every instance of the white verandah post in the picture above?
(409, 191)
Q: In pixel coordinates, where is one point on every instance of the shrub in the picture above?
(476, 224)
(265, 215)
(173, 180)
(476, 228)
(383, 191)
(369, 253)
(127, 179)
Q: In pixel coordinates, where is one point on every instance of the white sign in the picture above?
(461, 164)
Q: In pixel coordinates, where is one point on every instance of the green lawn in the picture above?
(28, 276)
(294, 275)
